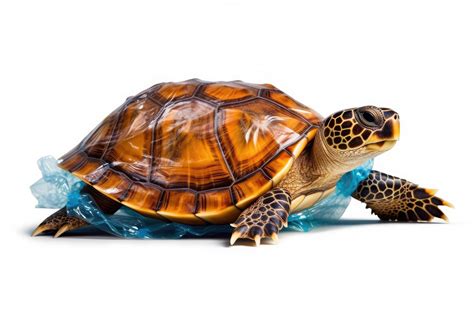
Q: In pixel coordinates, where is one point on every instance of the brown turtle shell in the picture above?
(194, 152)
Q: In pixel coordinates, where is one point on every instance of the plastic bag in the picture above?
(53, 188)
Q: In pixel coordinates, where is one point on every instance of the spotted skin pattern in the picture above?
(395, 199)
(345, 132)
(264, 218)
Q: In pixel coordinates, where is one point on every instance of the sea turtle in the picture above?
(204, 153)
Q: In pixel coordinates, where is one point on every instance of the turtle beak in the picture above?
(387, 136)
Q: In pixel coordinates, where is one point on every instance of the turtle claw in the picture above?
(40, 229)
(257, 238)
(255, 232)
(448, 204)
(234, 237)
(274, 237)
(62, 230)
(431, 192)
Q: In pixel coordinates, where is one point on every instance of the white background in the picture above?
(65, 66)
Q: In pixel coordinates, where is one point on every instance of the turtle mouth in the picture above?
(381, 145)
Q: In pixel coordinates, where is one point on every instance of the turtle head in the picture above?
(359, 134)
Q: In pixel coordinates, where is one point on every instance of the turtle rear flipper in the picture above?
(392, 198)
(60, 222)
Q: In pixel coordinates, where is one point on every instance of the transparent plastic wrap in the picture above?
(53, 188)
(58, 187)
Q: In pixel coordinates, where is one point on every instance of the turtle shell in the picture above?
(194, 152)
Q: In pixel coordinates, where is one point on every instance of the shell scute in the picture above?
(129, 147)
(174, 91)
(224, 92)
(142, 195)
(247, 190)
(217, 207)
(253, 132)
(186, 153)
(287, 101)
(177, 205)
(279, 166)
(114, 184)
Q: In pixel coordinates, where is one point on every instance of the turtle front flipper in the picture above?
(264, 218)
(392, 198)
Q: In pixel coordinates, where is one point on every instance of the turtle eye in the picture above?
(370, 116)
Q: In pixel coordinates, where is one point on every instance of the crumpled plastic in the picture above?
(58, 188)
(53, 188)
